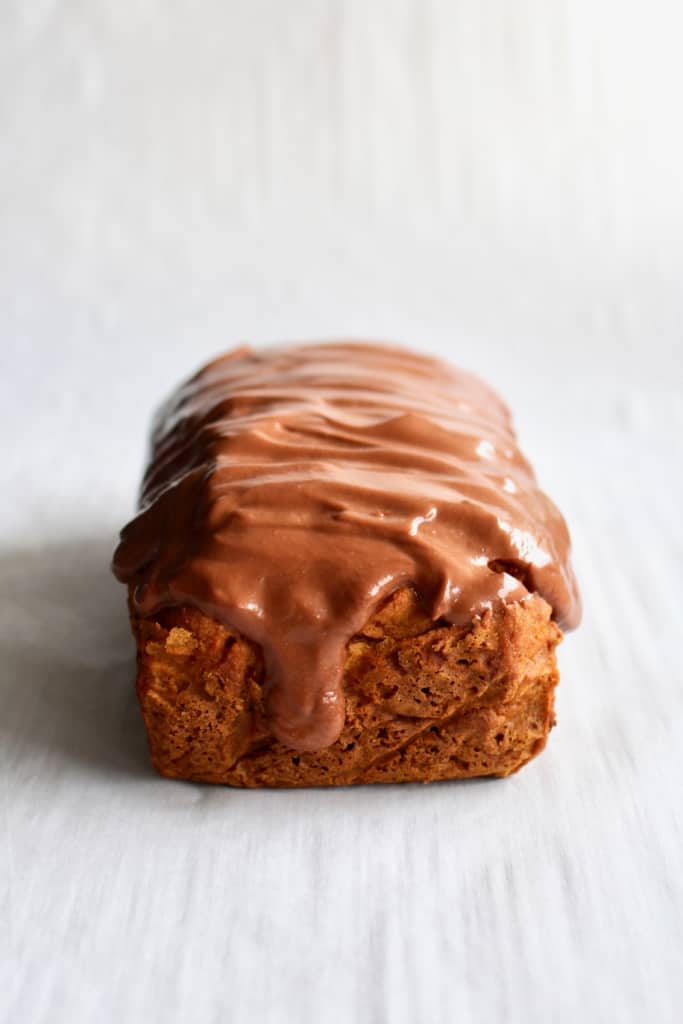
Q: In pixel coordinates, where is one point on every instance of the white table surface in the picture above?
(556, 895)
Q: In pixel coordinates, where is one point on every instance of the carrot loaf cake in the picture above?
(342, 571)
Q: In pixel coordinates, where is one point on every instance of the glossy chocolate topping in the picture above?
(291, 490)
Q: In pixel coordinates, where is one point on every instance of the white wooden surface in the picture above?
(497, 183)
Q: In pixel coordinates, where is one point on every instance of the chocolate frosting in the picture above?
(291, 490)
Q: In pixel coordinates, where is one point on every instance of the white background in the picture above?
(499, 183)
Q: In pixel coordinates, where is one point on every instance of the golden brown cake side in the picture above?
(424, 700)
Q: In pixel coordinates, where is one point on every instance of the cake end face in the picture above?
(425, 701)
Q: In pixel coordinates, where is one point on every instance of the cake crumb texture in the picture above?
(424, 700)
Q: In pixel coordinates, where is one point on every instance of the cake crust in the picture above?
(424, 701)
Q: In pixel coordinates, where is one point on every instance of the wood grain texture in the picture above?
(495, 183)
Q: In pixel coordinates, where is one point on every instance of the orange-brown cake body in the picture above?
(423, 701)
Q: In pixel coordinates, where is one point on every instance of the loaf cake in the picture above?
(342, 570)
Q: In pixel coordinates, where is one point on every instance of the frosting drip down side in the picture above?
(289, 491)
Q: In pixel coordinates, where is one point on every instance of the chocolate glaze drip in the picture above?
(291, 490)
